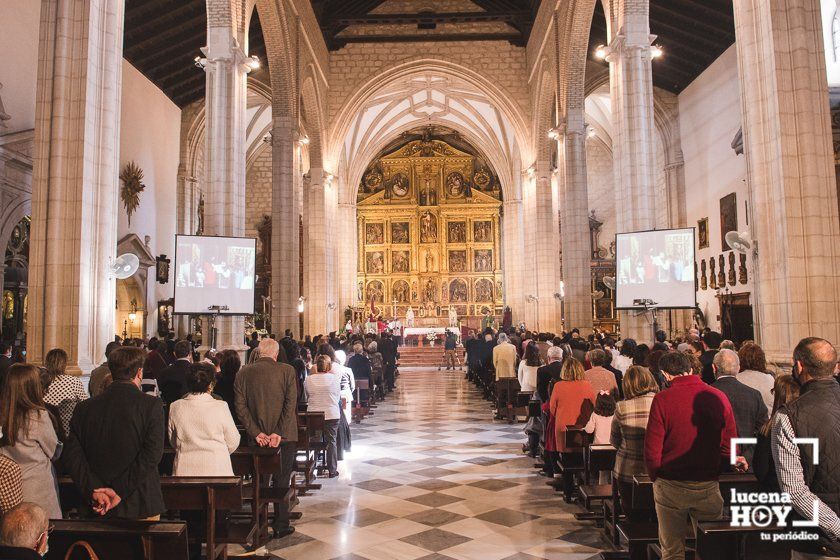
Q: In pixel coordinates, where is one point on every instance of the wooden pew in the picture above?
(181, 493)
(208, 495)
(570, 462)
(718, 540)
(640, 534)
(596, 458)
(120, 538)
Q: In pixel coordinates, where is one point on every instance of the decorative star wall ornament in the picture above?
(132, 185)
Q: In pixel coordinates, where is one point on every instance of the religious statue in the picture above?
(457, 232)
(455, 184)
(488, 321)
(458, 291)
(430, 261)
(430, 290)
(399, 232)
(428, 228)
(428, 196)
(482, 231)
(484, 290)
(409, 317)
(359, 292)
(374, 234)
(399, 262)
(399, 185)
(375, 262)
(453, 316)
(401, 292)
(483, 260)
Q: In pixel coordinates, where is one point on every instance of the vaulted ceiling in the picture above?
(162, 37)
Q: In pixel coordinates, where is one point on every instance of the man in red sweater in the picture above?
(687, 445)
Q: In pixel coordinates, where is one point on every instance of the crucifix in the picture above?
(428, 195)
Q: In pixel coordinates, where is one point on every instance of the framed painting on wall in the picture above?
(703, 233)
(728, 218)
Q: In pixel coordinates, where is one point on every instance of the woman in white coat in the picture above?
(201, 429)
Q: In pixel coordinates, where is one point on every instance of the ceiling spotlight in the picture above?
(601, 52)
(200, 62)
(303, 140)
(531, 171)
(590, 131)
(656, 51)
(253, 62)
(554, 133)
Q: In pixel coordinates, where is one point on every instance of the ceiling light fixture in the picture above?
(253, 62)
(656, 51)
(200, 62)
(602, 52)
(554, 133)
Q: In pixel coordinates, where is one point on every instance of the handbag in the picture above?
(534, 425)
(85, 546)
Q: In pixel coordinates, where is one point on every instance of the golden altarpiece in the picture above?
(428, 234)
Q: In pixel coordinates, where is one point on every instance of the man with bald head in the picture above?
(812, 481)
(265, 397)
(747, 404)
(24, 532)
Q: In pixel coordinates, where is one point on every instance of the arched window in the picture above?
(835, 35)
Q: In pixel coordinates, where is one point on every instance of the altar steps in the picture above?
(425, 356)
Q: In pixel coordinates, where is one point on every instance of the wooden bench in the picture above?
(640, 534)
(570, 462)
(719, 540)
(596, 458)
(119, 538)
(182, 493)
(208, 495)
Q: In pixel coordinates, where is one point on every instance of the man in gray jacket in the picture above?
(266, 403)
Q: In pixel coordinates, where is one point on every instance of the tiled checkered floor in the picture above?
(432, 477)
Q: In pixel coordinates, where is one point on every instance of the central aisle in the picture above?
(431, 476)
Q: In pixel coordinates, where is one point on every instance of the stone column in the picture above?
(224, 168)
(315, 279)
(634, 156)
(346, 259)
(547, 246)
(74, 198)
(577, 250)
(787, 143)
(285, 240)
(513, 240)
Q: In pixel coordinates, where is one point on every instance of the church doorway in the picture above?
(429, 234)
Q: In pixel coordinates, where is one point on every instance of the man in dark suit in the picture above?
(5, 360)
(116, 442)
(172, 380)
(265, 394)
(388, 349)
(711, 342)
(747, 405)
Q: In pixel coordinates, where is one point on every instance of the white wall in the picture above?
(150, 129)
(19, 21)
(710, 116)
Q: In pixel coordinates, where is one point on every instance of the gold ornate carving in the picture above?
(132, 185)
(400, 261)
(400, 233)
(374, 234)
(428, 214)
(457, 232)
(457, 261)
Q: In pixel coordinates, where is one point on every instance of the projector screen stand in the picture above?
(215, 311)
(650, 306)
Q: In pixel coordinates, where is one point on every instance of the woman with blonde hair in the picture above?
(628, 430)
(323, 394)
(572, 401)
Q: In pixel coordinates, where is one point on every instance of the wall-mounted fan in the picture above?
(124, 266)
(597, 294)
(739, 242)
(609, 282)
